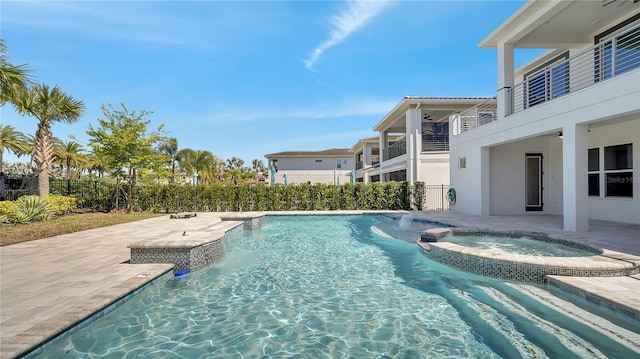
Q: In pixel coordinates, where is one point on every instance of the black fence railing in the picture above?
(13, 186)
(435, 198)
(96, 195)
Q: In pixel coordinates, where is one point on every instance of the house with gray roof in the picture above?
(331, 166)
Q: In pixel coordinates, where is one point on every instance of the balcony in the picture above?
(476, 116)
(396, 149)
(603, 61)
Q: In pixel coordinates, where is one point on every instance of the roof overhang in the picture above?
(439, 108)
(561, 24)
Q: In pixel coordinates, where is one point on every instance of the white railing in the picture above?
(608, 59)
(478, 115)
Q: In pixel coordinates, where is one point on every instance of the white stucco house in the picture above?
(414, 139)
(566, 136)
(332, 166)
(367, 158)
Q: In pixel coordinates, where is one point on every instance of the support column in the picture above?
(485, 188)
(574, 178)
(413, 145)
(505, 79)
(384, 142)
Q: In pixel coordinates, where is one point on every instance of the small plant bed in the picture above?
(69, 223)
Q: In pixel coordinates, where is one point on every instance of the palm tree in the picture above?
(206, 164)
(14, 141)
(13, 78)
(258, 167)
(97, 163)
(70, 154)
(47, 105)
(170, 148)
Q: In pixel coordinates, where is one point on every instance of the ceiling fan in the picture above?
(620, 2)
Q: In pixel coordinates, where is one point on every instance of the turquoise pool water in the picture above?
(333, 287)
(520, 245)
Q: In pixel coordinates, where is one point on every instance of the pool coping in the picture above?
(64, 333)
(520, 267)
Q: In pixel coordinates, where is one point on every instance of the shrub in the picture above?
(61, 204)
(32, 208)
(8, 210)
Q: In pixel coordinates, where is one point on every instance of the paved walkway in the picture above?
(48, 285)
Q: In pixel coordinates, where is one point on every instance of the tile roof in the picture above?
(329, 152)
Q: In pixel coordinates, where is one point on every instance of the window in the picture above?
(339, 164)
(614, 166)
(618, 49)
(548, 81)
(618, 161)
(594, 172)
(318, 161)
(462, 163)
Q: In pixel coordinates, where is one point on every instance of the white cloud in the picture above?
(356, 14)
(318, 111)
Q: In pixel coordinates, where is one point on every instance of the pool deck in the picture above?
(48, 285)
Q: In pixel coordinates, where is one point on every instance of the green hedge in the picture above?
(278, 197)
(219, 197)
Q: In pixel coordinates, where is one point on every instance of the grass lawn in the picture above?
(11, 234)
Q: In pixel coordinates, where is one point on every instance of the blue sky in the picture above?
(245, 79)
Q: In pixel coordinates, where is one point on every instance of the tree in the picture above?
(237, 163)
(70, 154)
(98, 164)
(208, 166)
(169, 147)
(123, 139)
(47, 105)
(259, 168)
(14, 79)
(14, 141)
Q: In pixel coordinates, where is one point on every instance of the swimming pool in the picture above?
(331, 287)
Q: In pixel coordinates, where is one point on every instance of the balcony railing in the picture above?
(375, 160)
(605, 60)
(396, 149)
(478, 115)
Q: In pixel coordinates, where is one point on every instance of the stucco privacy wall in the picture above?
(314, 176)
(434, 168)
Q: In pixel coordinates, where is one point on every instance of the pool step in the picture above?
(619, 294)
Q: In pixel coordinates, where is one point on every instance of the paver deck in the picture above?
(49, 284)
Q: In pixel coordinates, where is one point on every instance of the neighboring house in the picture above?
(414, 139)
(566, 138)
(367, 156)
(333, 166)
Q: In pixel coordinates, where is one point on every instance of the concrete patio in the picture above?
(49, 285)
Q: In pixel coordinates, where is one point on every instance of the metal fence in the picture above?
(435, 198)
(13, 186)
(98, 195)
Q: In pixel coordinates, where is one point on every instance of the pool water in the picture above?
(521, 245)
(331, 287)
